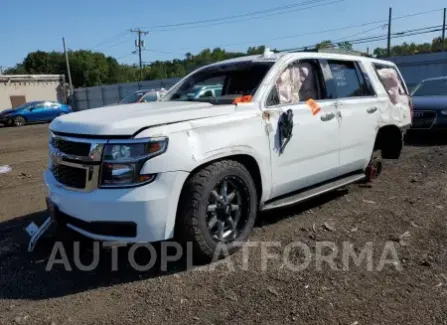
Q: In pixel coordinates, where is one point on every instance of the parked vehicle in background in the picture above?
(285, 127)
(33, 112)
(205, 91)
(430, 105)
(143, 96)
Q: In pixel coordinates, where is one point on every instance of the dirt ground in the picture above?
(405, 208)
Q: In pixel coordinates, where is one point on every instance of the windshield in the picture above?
(222, 83)
(132, 98)
(432, 88)
(26, 105)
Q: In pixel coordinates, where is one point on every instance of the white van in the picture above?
(285, 127)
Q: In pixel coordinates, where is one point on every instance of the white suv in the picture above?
(286, 127)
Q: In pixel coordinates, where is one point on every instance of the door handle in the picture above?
(327, 117)
(371, 110)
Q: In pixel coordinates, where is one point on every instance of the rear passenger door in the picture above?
(358, 113)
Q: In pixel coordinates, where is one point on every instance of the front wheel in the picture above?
(19, 121)
(217, 210)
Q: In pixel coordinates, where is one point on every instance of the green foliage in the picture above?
(325, 45)
(345, 46)
(412, 48)
(93, 68)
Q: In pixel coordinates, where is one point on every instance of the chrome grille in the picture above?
(76, 162)
(71, 147)
(70, 176)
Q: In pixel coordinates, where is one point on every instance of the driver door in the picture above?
(312, 155)
(36, 113)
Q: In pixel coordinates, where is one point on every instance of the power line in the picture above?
(360, 33)
(410, 32)
(122, 34)
(124, 56)
(115, 45)
(399, 35)
(280, 8)
(325, 31)
(286, 37)
(250, 18)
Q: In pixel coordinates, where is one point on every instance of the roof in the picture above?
(274, 57)
(29, 77)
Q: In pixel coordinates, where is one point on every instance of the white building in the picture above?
(19, 89)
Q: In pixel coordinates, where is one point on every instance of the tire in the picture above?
(195, 214)
(19, 121)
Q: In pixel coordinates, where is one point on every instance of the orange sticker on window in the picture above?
(314, 107)
(243, 99)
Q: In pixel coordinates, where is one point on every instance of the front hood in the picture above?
(430, 102)
(6, 111)
(129, 118)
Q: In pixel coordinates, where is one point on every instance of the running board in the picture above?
(312, 192)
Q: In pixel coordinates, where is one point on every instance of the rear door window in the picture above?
(349, 79)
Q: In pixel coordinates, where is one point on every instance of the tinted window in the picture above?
(132, 98)
(39, 105)
(207, 93)
(234, 79)
(346, 79)
(150, 98)
(432, 88)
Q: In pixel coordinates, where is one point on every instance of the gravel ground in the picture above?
(405, 209)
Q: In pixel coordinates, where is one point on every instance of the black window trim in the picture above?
(366, 84)
(321, 82)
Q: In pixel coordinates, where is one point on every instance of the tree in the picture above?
(325, 45)
(412, 48)
(18, 69)
(345, 46)
(256, 50)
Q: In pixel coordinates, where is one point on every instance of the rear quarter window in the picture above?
(390, 77)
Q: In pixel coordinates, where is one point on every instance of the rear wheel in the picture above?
(19, 121)
(218, 207)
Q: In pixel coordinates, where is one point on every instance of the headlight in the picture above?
(124, 159)
(444, 112)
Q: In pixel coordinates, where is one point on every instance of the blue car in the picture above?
(33, 112)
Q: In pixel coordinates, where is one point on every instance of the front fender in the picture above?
(192, 148)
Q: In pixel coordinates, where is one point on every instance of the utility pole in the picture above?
(443, 32)
(68, 67)
(389, 31)
(140, 45)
